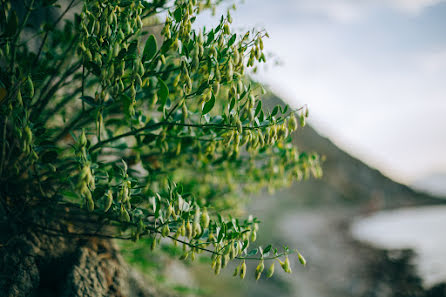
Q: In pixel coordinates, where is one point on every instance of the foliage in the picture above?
(154, 134)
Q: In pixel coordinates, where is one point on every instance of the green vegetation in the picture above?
(152, 134)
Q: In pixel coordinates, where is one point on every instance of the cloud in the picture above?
(412, 6)
(349, 11)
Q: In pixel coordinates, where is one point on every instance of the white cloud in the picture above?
(348, 11)
(412, 6)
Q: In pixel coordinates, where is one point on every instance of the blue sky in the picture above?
(373, 73)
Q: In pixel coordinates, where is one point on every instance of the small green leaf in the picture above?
(178, 14)
(267, 249)
(275, 111)
(150, 48)
(210, 37)
(89, 100)
(253, 252)
(258, 108)
(231, 105)
(208, 105)
(232, 40)
(163, 92)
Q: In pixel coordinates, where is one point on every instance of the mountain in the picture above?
(347, 179)
(434, 184)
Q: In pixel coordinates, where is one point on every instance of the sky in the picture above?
(372, 72)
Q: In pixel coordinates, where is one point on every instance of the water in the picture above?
(422, 229)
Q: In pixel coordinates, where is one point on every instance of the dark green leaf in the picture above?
(163, 92)
(253, 252)
(208, 105)
(210, 37)
(231, 105)
(232, 40)
(178, 14)
(275, 111)
(89, 100)
(267, 249)
(150, 48)
(258, 108)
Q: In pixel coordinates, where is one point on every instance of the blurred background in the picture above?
(372, 73)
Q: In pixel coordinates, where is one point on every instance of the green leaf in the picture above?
(267, 249)
(210, 38)
(163, 92)
(150, 48)
(231, 105)
(258, 108)
(275, 111)
(253, 252)
(178, 14)
(89, 100)
(208, 105)
(232, 40)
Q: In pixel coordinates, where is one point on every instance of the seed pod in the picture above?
(226, 29)
(301, 259)
(204, 219)
(139, 22)
(292, 123)
(224, 261)
(259, 269)
(236, 57)
(253, 236)
(170, 211)
(302, 120)
(239, 126)
(243, 270)
(183, 230)
(109, 200)
(153, 244)
(285, 265)
(132, 92)
(124, 214)
(217, 265)
(28, 87)
(230, 69)
(196, 229)
(28, 135)
(189, 230)
(90, 203)
(140, 68)
(270, 271)
(216, 87)
(236, 271)
(165, 231)
(178, 149)
(19, 98)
